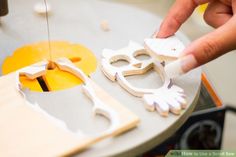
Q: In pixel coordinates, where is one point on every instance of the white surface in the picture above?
(78, 21)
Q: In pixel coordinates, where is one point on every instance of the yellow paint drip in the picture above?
(201, 9)
(55, 79)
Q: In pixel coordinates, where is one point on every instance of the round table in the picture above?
(78, 21)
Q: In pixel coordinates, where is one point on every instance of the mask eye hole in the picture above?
(120, 61)
(141, 55)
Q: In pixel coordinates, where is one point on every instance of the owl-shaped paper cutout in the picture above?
(168, 97)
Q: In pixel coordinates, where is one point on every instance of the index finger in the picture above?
(178, 14)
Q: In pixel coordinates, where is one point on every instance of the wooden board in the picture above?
(28, 130)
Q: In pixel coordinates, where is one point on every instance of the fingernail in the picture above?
(180, 66)
(188, 63)
(174, 69)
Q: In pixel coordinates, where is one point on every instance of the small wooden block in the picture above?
(41, 8)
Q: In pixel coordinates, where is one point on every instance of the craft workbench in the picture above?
(78, 21)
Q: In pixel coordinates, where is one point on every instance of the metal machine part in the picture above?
(3, 7)
(51, 66)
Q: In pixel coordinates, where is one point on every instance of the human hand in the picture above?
(220, 14)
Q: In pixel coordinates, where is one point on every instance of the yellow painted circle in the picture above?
(54, 79)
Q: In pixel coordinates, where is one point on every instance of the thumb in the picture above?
(210, 46)
(206, 48)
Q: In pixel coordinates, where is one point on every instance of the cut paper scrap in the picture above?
(54, 79)
(164, 48)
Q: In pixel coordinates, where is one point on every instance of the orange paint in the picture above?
(211, 91)
(55, 79)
